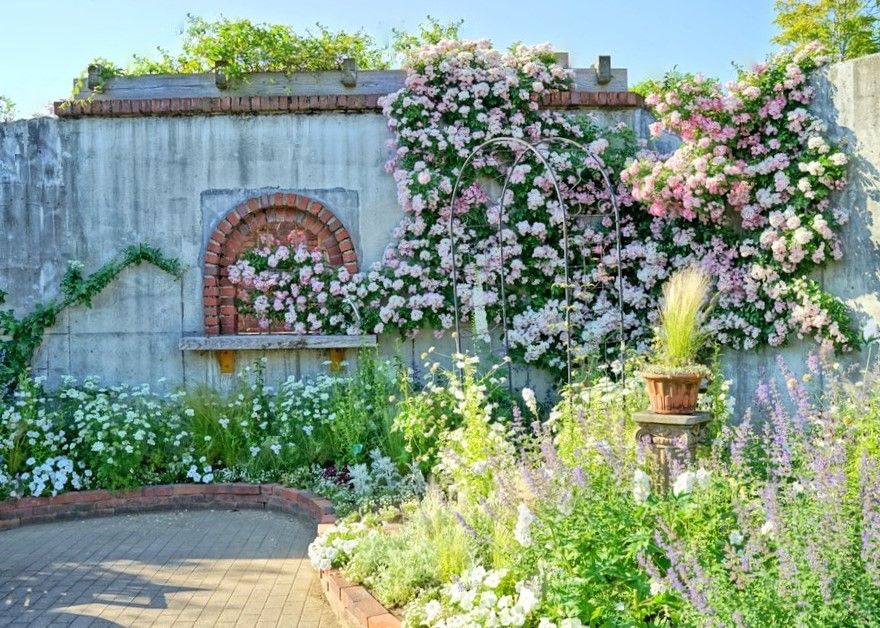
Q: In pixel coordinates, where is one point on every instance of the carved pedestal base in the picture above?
(670, 442)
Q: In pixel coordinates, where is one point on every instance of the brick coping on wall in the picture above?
(361, 103)
(352, 604)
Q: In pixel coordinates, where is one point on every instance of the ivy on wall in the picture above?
(21, 337)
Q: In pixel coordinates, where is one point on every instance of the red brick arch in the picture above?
(278, 214)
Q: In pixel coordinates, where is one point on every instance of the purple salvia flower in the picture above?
(742, 435)
(605, 450)
(685, 573)
(819, 566)
(464, 524)
(813, 363)
(869, 487)
(798, 394)
(578, 477)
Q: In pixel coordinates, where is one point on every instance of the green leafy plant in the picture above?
(240, 47)
(847, 27)
(20, 337)
(427, 550)
(681, 333)
(7, 109)
(431, 31)
(107, 70)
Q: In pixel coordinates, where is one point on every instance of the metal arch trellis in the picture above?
(532, 148)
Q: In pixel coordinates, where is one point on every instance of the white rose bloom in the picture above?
(657, 587)
(802, 236)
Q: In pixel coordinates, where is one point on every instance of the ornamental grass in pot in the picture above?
(674, 374)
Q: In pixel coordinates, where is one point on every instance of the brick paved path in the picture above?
(200, 568)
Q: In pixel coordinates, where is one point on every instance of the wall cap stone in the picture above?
(343, 103)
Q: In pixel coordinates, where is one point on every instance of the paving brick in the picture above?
(197, 568)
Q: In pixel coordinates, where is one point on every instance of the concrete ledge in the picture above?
(321, 83)
(353, 604)
(697, 418)
(257, 342)
(359, 103)
(100, 503)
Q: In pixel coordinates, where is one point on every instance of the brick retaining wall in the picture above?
(75, 505)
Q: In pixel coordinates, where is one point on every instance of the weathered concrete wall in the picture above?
(85, 188)
(848, 99)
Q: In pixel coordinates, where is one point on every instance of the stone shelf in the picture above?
(263, 342)
(225, 347)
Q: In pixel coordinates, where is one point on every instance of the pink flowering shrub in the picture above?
(748, 195)
(294, 286)
(457, 96)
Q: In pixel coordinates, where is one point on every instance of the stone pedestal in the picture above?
(670, 441)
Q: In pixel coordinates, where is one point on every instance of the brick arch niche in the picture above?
(276, 214)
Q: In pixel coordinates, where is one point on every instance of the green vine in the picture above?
(20, 338)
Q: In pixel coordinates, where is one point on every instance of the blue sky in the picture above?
(44, 44)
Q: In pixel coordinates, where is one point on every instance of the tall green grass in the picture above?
(681, 333)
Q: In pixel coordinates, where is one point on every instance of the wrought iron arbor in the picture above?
(532, 148)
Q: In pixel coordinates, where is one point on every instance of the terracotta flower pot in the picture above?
(673, 394)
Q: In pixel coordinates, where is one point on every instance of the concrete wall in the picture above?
(85, 188)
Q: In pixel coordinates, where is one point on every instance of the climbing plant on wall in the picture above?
(21, 337)
(747, 196)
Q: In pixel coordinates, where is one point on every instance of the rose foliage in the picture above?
(747, 195)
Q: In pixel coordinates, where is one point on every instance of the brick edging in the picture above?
(360, 103)
(353, 605)
(81, 504)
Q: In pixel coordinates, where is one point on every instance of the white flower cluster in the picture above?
(203, 474)
(522, 531)
(641, 486)
(564, 623)
(687, 481)
(478, 598)
(332, 548)
(51, 476)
